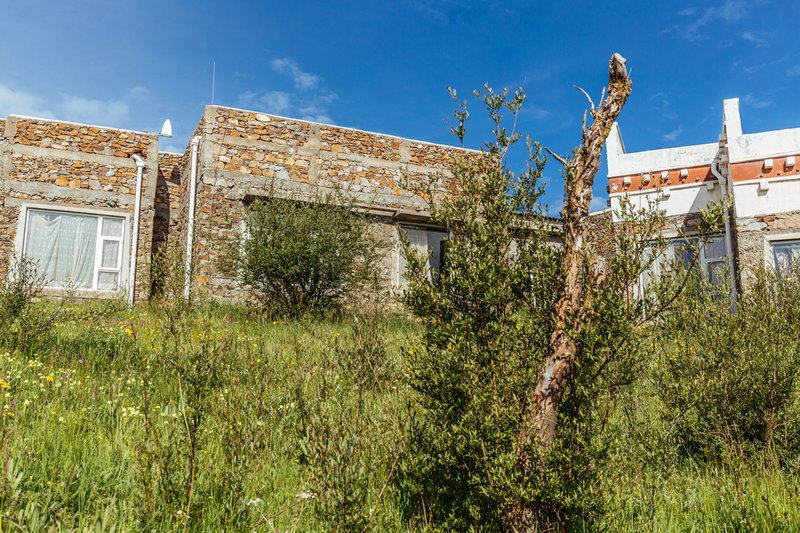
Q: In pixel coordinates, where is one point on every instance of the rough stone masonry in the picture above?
(242, 155)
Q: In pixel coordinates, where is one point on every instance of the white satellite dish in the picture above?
(166, 129)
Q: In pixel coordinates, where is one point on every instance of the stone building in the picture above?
(756, 173)
(69, 193)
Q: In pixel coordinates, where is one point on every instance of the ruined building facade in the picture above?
(71, 195)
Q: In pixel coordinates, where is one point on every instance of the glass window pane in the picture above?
(107, 281)
(785, 255)
(62, 245)
(715, 248)
(112, 227)
(426, 242)
(716, 273)
(686, 253)
(435, 239)
(110, 257)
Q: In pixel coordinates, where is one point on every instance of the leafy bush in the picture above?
(302, 257)
(728, 381)
(22, 321)
(488, 322)
(486, 329)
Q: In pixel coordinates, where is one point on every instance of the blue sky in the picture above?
(385, 66)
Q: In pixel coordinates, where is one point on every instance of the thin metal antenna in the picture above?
(213, 80)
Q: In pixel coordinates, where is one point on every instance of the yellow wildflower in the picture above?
(49, 378)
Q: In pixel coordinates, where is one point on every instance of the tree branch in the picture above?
(587, 96)
(557, 157)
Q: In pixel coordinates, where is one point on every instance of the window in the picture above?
(75, 250)
(786, 256)
(426, 241)
(712, 262)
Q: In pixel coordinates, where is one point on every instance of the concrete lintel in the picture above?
(51, 191)
(249, 185)
(5, 159)
(72, 155)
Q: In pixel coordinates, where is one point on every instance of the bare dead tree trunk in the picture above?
(542, 411)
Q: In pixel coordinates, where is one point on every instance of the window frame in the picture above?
(703, 263)
(123, 255)
(399, 282)
(770, 241)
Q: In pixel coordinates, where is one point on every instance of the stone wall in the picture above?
(600, 233)
(63, 164)
(245, 154)
(754, 236)
(167, 198)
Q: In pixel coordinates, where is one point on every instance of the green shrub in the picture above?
(488, 324)
(24, 321)
(728, 381)
(301, 257)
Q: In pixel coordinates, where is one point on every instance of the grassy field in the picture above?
(221, 419)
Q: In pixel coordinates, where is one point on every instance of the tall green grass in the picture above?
(77, 454)
(301, 428)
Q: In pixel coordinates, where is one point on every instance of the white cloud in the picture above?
(430, 8)
(793, 71)
(276, 102)
(536, 113)
(309, 100)
(314, 113)
(137, 93)
(753, 38)
(754, 102)
(22, 103)
(303, 81)
(80, 109)
(171, 148)
(663, 106)
(673, 135)
(729, 11)
(112, 112)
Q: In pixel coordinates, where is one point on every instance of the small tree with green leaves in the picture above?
(490, 320)
(487, 321)
(301, 257)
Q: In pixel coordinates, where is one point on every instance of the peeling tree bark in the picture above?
(542, 412)
(581, 270)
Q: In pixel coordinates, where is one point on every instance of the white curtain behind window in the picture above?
(418, 239)
(63, 247)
